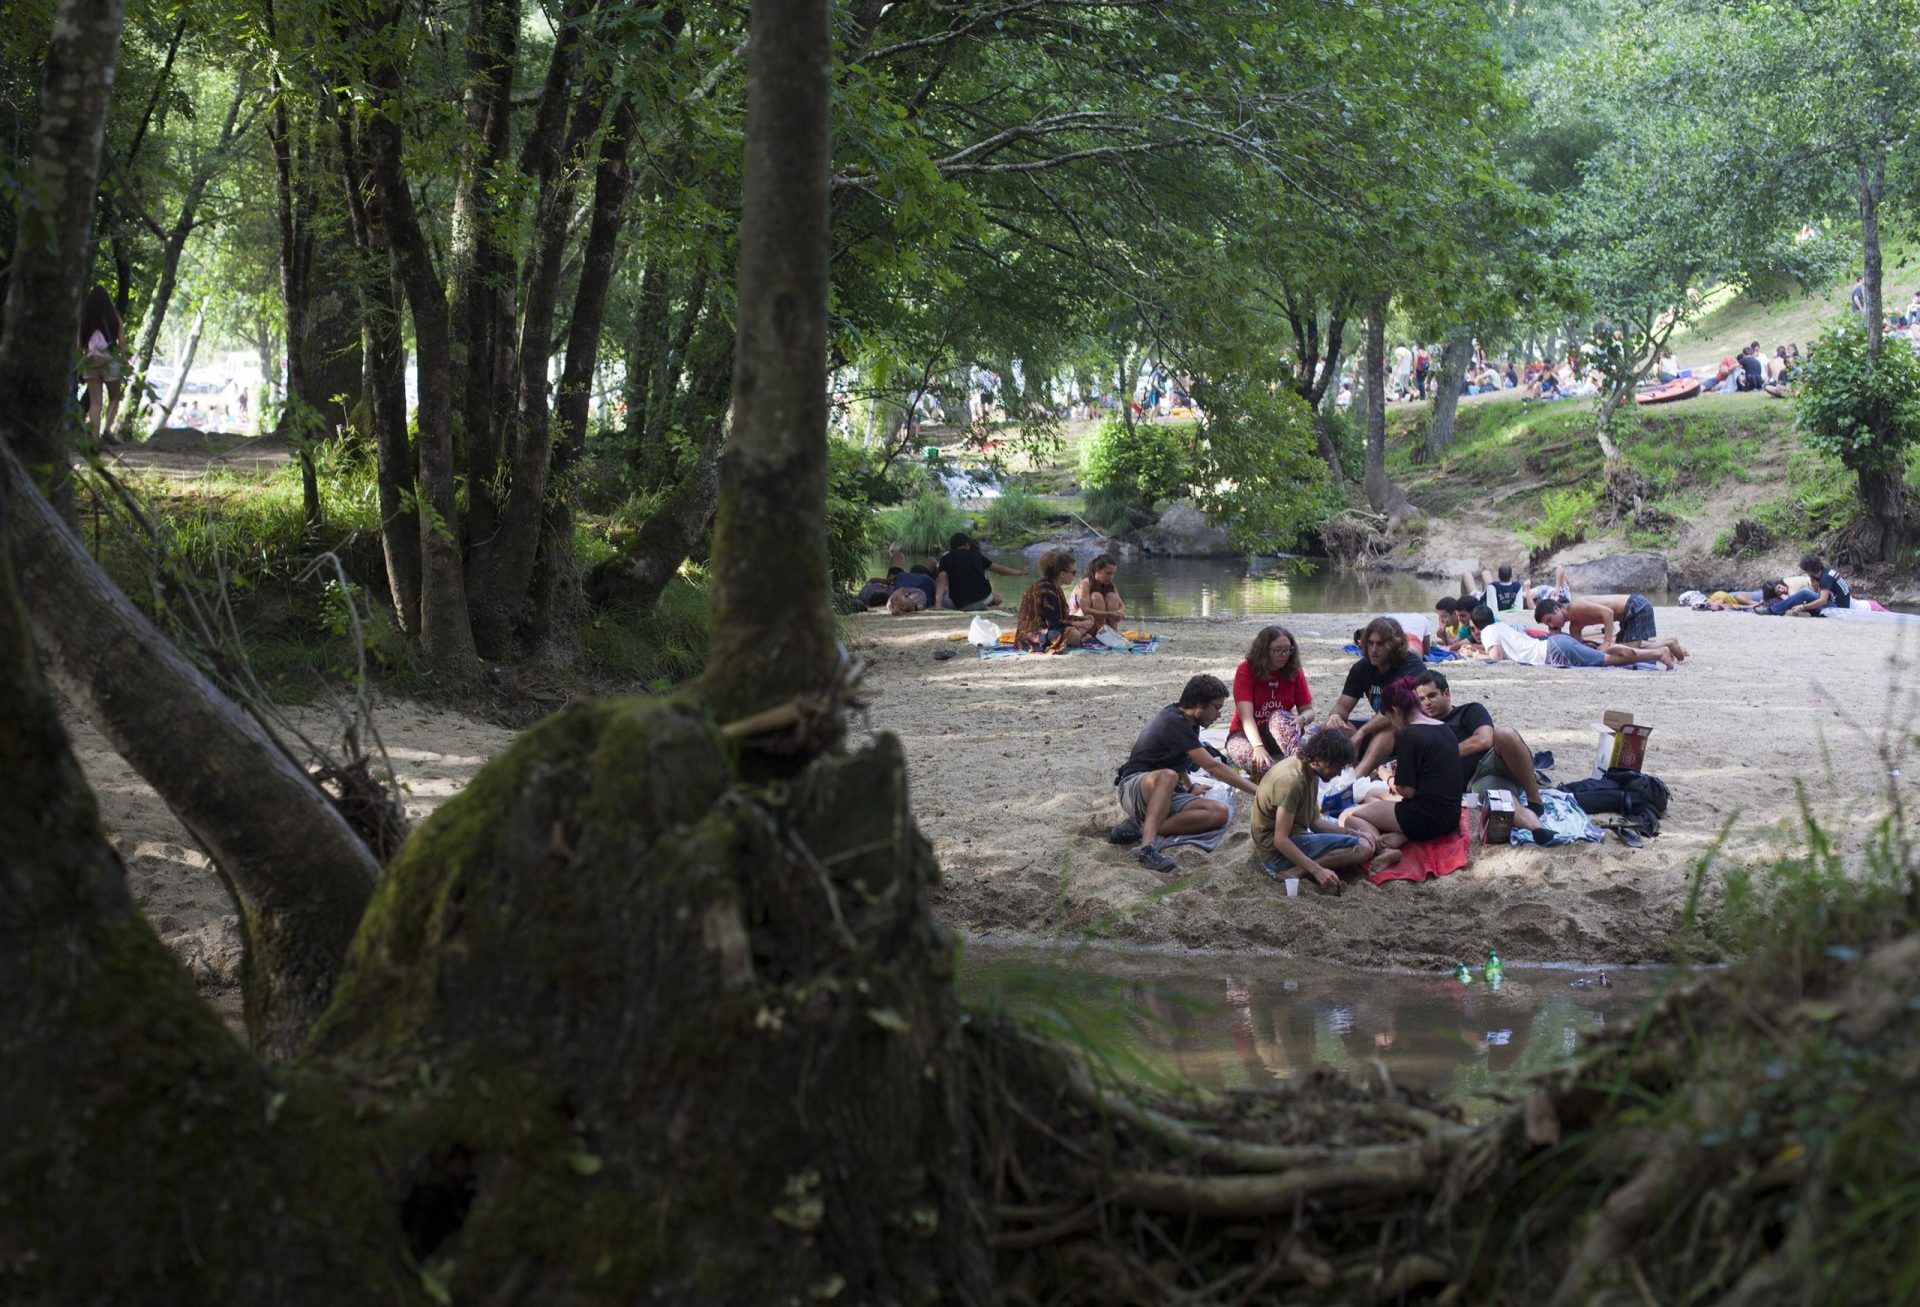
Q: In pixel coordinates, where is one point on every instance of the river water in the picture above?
(1252, 1021)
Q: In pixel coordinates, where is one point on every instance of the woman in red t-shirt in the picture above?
(1271, 702)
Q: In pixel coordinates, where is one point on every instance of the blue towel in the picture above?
(1014, 651)
(1353, 649)
(1441, 655)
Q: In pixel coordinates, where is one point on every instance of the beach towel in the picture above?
(1210, 840)
(1563, 817)
(1440, 655)
(1014, 651)
(1436, 857)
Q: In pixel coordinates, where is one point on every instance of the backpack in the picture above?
(1640, 799)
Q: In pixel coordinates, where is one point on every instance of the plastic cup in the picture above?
(1293, 887)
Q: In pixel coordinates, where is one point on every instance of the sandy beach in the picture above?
(1012, 762)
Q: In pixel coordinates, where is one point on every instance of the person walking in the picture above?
(99, 345)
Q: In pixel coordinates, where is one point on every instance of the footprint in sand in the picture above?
(1615, 896)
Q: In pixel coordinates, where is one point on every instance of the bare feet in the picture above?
(1388, 858)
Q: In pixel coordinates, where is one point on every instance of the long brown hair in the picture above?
(1259, 657)
(1097, 586)
(98, 314)
(1396, 639)
(1054, 562)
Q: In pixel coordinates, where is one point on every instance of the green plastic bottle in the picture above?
(1461, 974)
(1494, 969)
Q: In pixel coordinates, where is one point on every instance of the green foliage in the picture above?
(1861, 410)
(658, 648)
(923, 525)
(1257, 466)
(1016, 513)
(1348, 441)
(1146, 462)
(1562, 521)
(1109, 510)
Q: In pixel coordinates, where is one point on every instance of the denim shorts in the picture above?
(1565, 651)
(1315, 844)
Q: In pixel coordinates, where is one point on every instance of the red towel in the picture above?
(1436, 857)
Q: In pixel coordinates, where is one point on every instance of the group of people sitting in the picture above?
(959, 580)
(1750, 370)
(1824, 589)
(1610, 630)
(1436, 752)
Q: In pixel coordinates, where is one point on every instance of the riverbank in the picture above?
(1011, 763)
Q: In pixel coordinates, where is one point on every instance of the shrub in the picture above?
(1348, 441)
(1562, 520)
(1257, 466)
(1863, 411)
(923, 525)
(1017, 512)
(1145, 462)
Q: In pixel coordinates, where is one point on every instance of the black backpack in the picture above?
(1639, 798)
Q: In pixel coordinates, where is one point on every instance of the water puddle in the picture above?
(1251, 1021)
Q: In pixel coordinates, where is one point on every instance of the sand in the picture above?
(1012, 760)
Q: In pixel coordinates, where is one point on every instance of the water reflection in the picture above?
(1250, 1022)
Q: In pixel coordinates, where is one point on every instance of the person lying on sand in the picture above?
(1510, 644)
(1155, 799)
(1764, 593)
(878, 591)
(1290, 837)
(1491, 757)
(1450, 629)
(1384, 658)
(1824, 589)
(1622, 619)
(1426, 769)
(1271, 703)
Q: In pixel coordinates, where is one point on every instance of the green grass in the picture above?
(923, 525)
(1014, 516)
(1734, 321)
(657, 649)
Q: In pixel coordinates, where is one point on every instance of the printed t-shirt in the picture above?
(1464, 720)
(1266, 695)
(919, 581)
(1426, 760)
(1164, 742)
(1365, 681)
(1505, 594)
(1288, 786)
(1515, 645)
(1842, 592)
(966, 571)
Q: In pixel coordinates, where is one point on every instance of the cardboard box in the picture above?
(1497, 827)
(1620, 743)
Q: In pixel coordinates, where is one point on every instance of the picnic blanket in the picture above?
(1014, 651)
(1436, 857)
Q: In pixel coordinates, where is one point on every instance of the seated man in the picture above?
(1384, 658)
(1154, 795)
(1622, 619)
(1491, 757)
(1511, 644)
(1825, 589)
(962, 577)
(1290, 837)
(1496, 592)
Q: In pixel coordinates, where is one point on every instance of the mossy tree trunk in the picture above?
(1455, 355)
(1382, 494)
(772, 633)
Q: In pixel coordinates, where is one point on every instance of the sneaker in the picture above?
(1127, 832)
(1154, 860)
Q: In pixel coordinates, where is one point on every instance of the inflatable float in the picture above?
(1668, 391)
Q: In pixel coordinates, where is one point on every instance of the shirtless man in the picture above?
(1622, 619)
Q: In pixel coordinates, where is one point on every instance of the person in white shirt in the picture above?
(1505, 643)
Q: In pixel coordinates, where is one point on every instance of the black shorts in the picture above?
(1637, 623)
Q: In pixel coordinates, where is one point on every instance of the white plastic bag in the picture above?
(982, 631)
(1112, 639)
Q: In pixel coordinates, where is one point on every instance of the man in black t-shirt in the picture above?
(1384, 658)
(1154, 795)
(961, 581)
(1491, 757)
(1827, 590)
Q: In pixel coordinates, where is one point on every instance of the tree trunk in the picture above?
(446, 637)
(41, 320)
(174, 246)
(556, 591)
(172, 400)
(1884, 526)
(1382, 494)
(1454, 357)
(384, 348)
(1610, 400)
(1873, 177)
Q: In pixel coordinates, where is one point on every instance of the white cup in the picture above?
(1293, 887)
